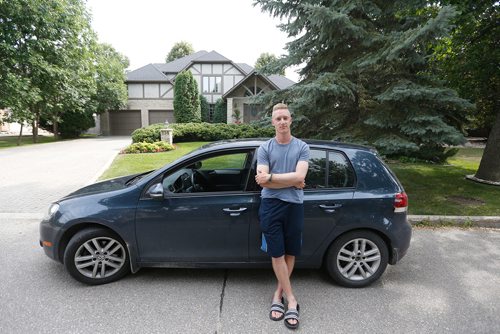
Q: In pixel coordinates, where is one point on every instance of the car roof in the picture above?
(253, 142)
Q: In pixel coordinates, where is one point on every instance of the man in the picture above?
(282, 164)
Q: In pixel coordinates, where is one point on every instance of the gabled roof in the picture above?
(245, 67)
(179, 64)
(146, 73)
(156, 72)
(277, 81)
(212, 57)
(281, 81)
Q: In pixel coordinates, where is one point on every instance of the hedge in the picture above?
(186, 132)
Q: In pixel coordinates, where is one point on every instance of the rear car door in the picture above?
(327, 202)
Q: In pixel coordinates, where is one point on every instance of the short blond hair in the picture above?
(278, 106)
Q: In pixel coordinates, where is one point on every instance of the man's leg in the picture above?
(290, 263)
(282, 274)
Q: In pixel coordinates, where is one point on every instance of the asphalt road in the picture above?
(448, 283)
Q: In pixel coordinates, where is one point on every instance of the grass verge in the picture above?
(11, 141)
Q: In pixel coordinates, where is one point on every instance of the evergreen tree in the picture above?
(186, 98)
(205, 109)
(366, 75)
(220, 112)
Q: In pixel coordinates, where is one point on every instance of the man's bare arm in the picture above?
(284, 180)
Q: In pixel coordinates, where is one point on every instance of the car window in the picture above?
(316, 174)
(236, 160)
(338, 173)
(224, 171)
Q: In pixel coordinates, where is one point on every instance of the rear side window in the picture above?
(329, 169)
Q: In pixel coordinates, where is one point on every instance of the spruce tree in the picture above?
(365, 76)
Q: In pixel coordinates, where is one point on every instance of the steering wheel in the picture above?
(199, 180)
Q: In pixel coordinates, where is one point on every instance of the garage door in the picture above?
(159, 116)
(123, 122)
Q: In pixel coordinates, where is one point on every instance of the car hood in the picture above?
(104, 186)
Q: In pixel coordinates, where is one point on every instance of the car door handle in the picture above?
(330, 208)
(234, 212)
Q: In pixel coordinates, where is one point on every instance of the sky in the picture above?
(146, 30)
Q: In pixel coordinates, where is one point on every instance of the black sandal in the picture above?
(292, 314)
(277, 307)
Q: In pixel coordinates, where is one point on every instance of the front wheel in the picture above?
(96, 256)
(357, 259)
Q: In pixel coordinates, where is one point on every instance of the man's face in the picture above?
(282, 120)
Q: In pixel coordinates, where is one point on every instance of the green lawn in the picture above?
(11, 141)
(126, 164)
(432, 189)
(443, 190)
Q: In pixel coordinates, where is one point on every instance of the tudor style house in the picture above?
(151, 91)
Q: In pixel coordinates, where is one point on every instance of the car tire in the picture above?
(357, 259)
(96, 256)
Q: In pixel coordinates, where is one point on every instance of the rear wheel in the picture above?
(357, 259)
(96, 256)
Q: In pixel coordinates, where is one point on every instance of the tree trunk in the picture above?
(55, 129)
(20, 134)
(35, 126)
(489, 167)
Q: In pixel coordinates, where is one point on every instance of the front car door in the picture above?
(204, 215)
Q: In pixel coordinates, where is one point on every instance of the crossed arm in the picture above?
(285, 180)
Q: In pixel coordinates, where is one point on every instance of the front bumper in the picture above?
(50, 234)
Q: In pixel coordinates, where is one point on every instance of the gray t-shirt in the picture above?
(283, 158)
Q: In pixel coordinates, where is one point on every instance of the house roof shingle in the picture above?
(179, 64)
(211, 57)
(146, 73)
(281, 81)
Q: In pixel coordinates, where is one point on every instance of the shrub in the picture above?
(148, 134)
(144, 147)
(185, 132)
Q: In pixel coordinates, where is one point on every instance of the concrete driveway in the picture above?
(33, 176)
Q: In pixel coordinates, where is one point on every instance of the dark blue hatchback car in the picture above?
(202, 211)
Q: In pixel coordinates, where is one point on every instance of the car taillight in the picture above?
(400, 202)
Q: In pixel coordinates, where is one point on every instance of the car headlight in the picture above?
(52, 210)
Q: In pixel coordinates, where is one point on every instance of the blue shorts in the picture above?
(281, 224)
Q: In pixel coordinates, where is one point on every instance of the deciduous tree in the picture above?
(265, 64)
(179, 50)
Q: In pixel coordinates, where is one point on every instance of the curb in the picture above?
(460, 221)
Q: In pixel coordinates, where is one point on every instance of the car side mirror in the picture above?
(156, 191)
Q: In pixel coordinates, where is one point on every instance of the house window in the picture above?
(212, 84)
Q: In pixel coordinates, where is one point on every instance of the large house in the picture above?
(151, 91)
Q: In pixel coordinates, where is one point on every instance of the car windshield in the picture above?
(136, 178)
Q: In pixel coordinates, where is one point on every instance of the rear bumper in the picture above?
(400, 241)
